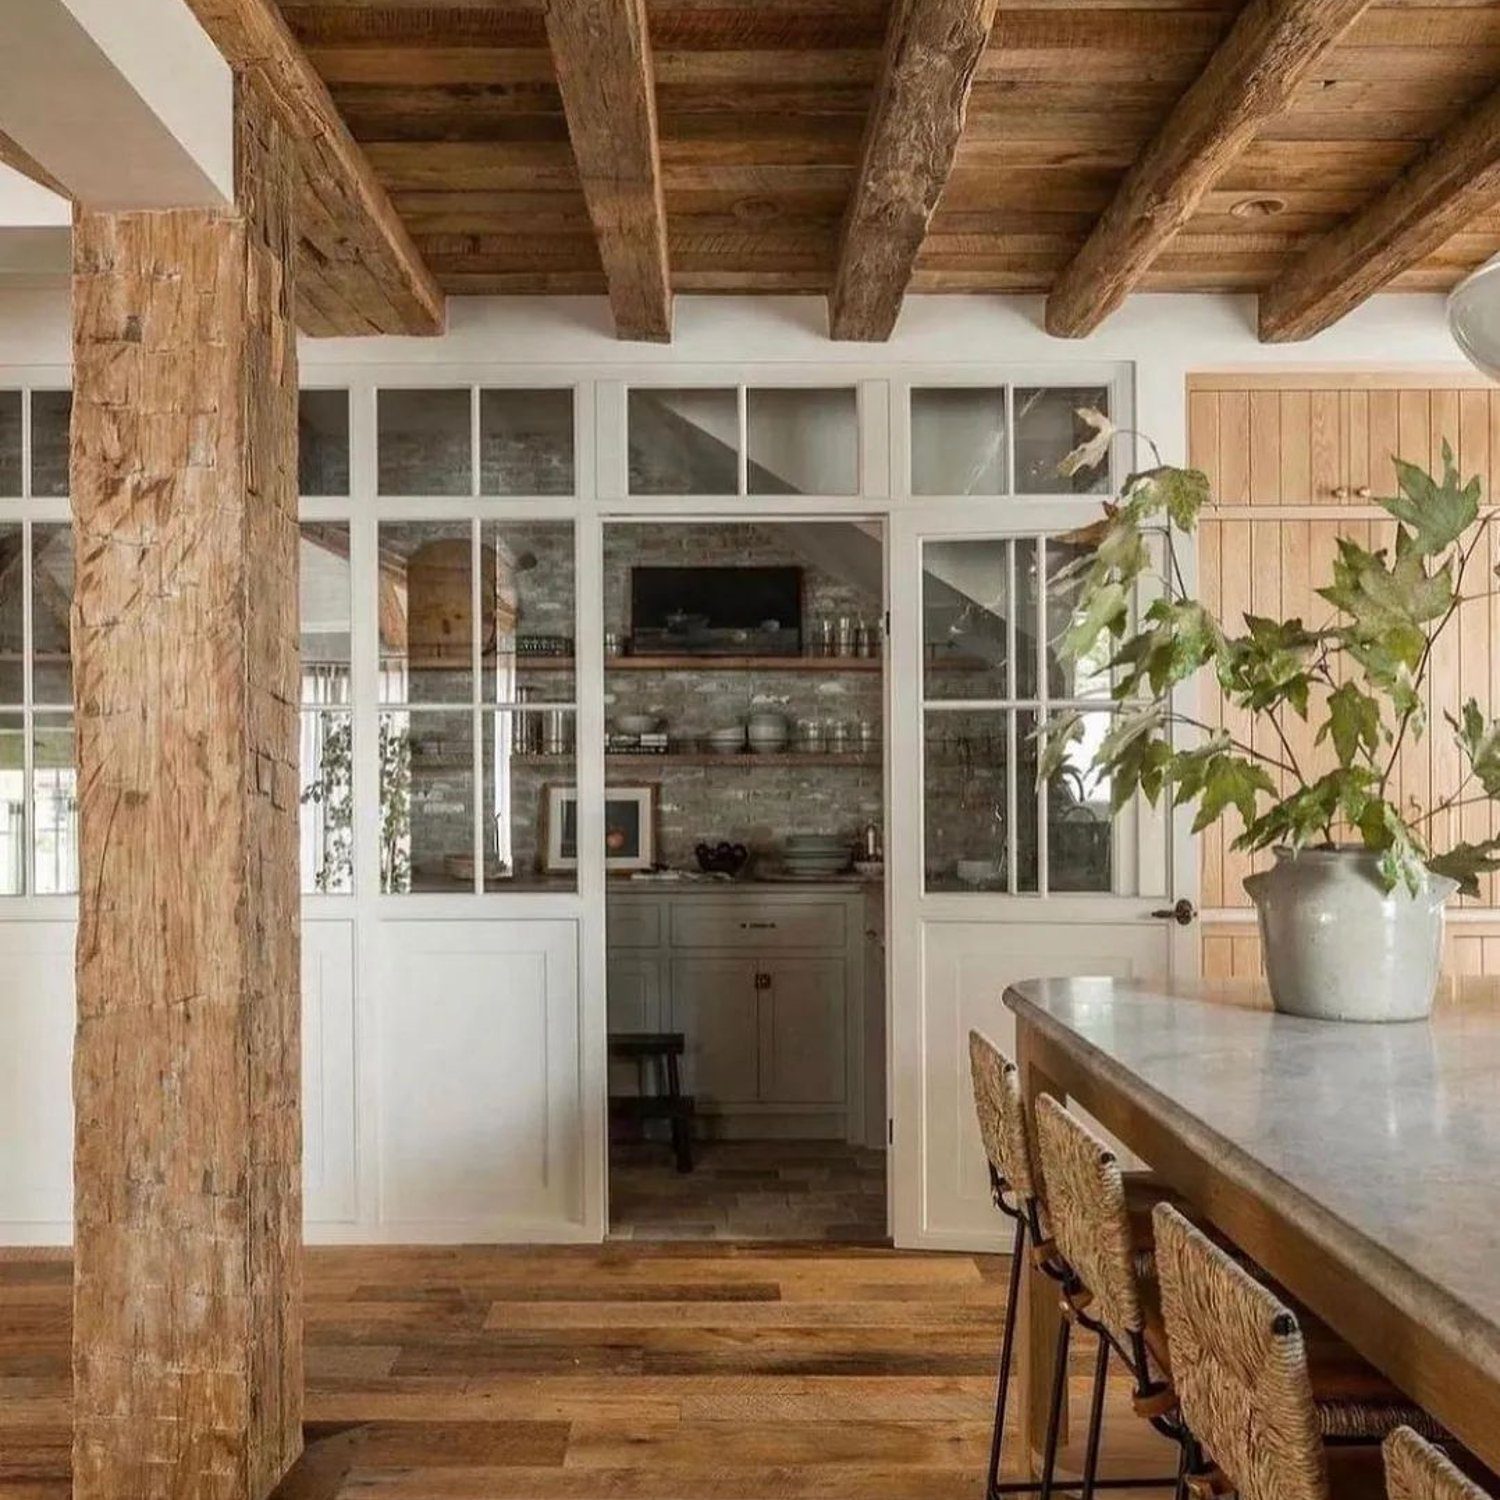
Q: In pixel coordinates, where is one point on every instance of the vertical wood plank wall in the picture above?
(1294, 462)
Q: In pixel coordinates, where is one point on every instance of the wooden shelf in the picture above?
(708, 758)
(709, 663)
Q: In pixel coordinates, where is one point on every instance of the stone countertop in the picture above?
(1383, 1141)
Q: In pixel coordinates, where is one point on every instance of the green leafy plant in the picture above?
(1357, 677)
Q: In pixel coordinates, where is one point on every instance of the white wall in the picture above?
(358, 1050)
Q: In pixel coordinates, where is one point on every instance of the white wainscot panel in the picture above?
(328, 1124)
(479, 1081)
(966, 967)
(36, 1082)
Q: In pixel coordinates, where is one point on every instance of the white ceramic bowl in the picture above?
(637, 723)
(977, 871)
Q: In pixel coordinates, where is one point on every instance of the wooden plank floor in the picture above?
(622, 1372)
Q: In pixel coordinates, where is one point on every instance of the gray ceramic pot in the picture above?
(1338, 946)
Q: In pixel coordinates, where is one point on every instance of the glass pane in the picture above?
(966, 618)
(323, 442)
(423, 442)
(10, 443)
(1048, 428)
(51, 605)
(958, 440)
(12, 616)
(427, 801)
(1089, 676)
(55, 804)
(325, 599)
(526, 442)
(526, 595)
(1080, 827)
(966, 756)
(12, 805)
(684, 442)
(49, 442)
(524, 755)
(327, 759)
(803, 441)
(425, 598)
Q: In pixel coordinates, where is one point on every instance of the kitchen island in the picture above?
(1360, 1165)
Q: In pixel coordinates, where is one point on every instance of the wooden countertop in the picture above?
(1381, 1143)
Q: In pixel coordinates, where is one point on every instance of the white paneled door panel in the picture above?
(328, 1124)
(479, 1080)
(965, 969)
(36, 1083)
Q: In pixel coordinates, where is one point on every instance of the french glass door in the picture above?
(999, 874)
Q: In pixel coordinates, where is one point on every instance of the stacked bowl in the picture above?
(813, 856)
(767, 732)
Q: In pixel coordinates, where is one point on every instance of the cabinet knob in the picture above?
(762, 981)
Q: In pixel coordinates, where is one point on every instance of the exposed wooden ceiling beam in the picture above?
(602, 54)
(931, 51)
(1250, 79)
(358, 271)
(1457, 178)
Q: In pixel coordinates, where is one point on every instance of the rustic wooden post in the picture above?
(187, 1355)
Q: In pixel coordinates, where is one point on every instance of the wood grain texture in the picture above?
(681, 1372)
(761, 110)
(602, 52)
(1294, 465)
(188, 1210)
(1250, 79)
(358, 270)
(1430, 202)
(921, 98)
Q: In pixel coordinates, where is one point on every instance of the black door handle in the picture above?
(1182, 913)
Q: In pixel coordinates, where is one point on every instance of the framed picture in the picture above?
(629, 828)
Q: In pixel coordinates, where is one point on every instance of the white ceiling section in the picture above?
(128, 105)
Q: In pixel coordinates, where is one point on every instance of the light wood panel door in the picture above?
(1294, 464)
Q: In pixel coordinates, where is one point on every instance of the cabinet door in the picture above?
(633, 991)
(632, 984)
(714, 1005)
(802, 1049)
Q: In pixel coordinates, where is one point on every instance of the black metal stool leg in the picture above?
(1096, 1420)
(682, 1136)
(1007, 1349)
(1054, 1415)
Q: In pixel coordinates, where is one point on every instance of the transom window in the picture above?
(1002, 440)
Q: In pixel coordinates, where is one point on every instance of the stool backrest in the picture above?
(1415, 1470)
(1002, 1116)
(1087, 1216)
(1238, 1367)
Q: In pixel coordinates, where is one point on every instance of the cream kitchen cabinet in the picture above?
(766, 983)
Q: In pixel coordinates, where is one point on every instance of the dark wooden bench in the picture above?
(656, 1053)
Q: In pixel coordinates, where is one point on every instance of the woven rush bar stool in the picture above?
(1278, 1406)
(1415, 1470)
(1103, 1259)
(1016, 1186)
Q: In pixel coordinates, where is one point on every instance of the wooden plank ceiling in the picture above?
(762, 109)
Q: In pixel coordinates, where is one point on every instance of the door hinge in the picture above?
(890, 1132)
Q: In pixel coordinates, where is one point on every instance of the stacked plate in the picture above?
(811, 855)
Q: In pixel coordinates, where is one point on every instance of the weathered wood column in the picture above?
(187, 1355)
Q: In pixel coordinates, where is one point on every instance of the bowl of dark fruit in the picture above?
(722, 859)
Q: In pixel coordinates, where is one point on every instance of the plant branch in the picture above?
(1174, 716)
(1426, 657)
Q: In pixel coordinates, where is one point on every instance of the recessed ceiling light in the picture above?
(1258, 208)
